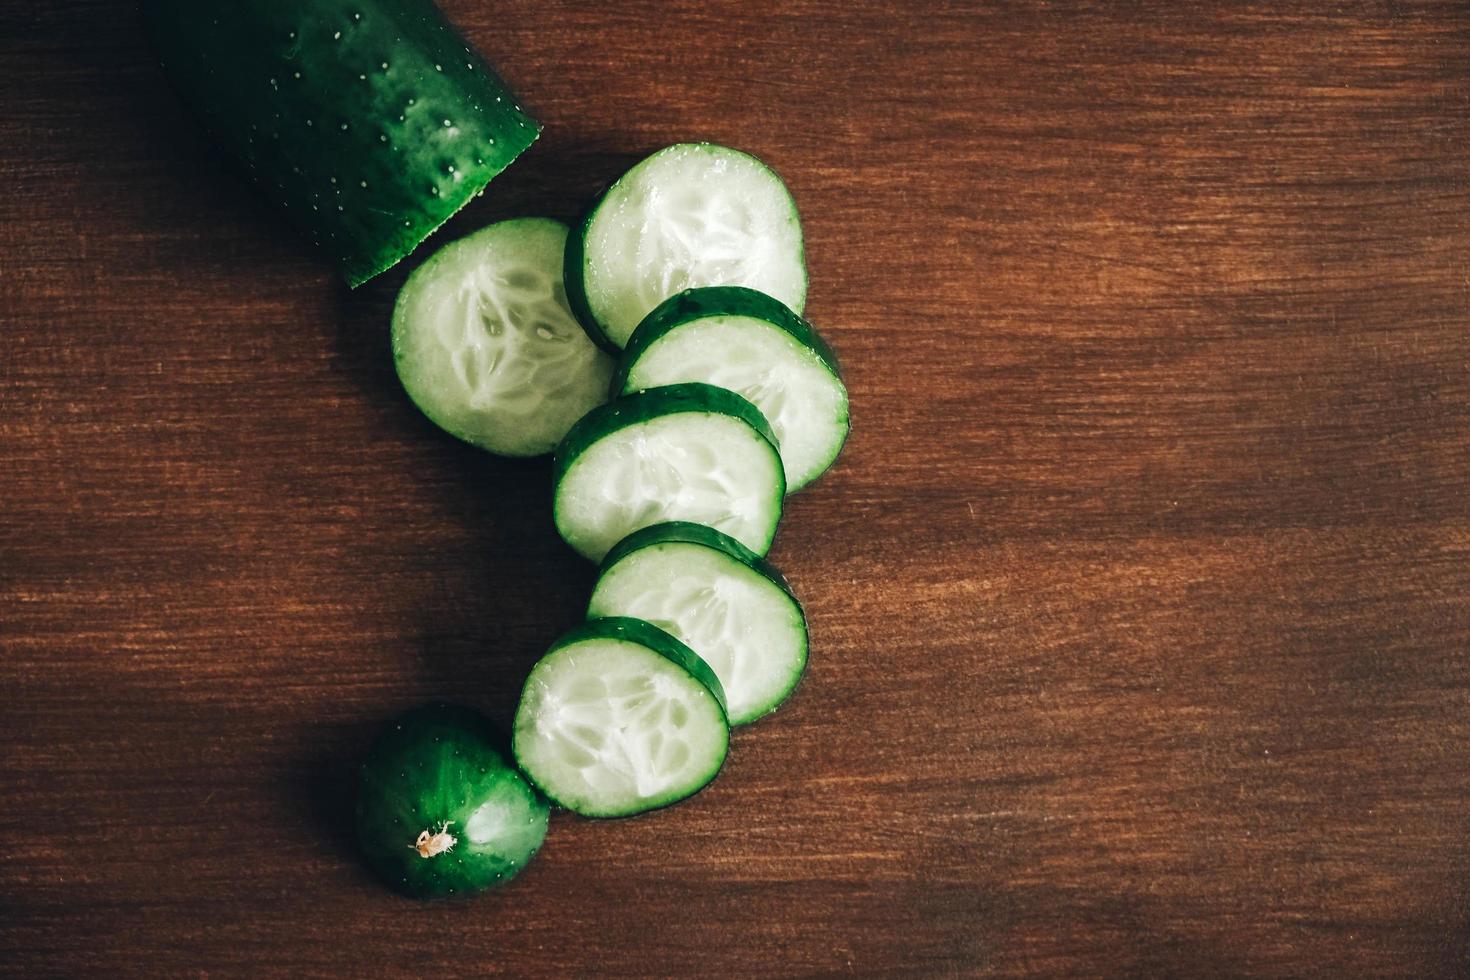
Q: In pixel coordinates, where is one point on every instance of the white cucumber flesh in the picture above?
(692, 214)
(608, 726)
(486, 346)
(800, 396)
(622, 469)
(741, 622)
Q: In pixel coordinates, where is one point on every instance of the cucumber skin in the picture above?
(652, 403)
(708, 301)
(237, 66)
(647, 635)
(576, 284)
(413, 741)
(687, 532)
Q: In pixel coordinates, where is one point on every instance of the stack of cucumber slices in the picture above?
(659, 351)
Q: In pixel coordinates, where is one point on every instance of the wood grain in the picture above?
(1140, 599)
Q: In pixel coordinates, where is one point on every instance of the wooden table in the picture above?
(1140, 599)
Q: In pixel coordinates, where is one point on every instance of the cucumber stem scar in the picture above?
(437, 843)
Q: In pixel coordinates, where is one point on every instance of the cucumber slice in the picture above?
(370, 122)
(692, 214)
(750, 343)
(619, 718)
(689, 452)
(485, 346)
(718, 597)
(439, 809)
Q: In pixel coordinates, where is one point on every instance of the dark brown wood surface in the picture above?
(1140, 599)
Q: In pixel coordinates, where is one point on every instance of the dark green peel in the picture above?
(370, 122)
(687, 532)
(647, 635)
(642, 406)
(708, 301)
(440, 810)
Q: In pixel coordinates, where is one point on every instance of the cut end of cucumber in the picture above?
(608, 726)
(683, 452)
(692, 214)
(704, 589)
(486, 347)
(440, 810)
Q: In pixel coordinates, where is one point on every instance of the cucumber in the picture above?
(439, 809)
(370, 121)
(692, 214)
(485, 346)
(688, 452)
(746, 341)
(619, 718)
(720, 599)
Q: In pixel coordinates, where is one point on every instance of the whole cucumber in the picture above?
(370, 122)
